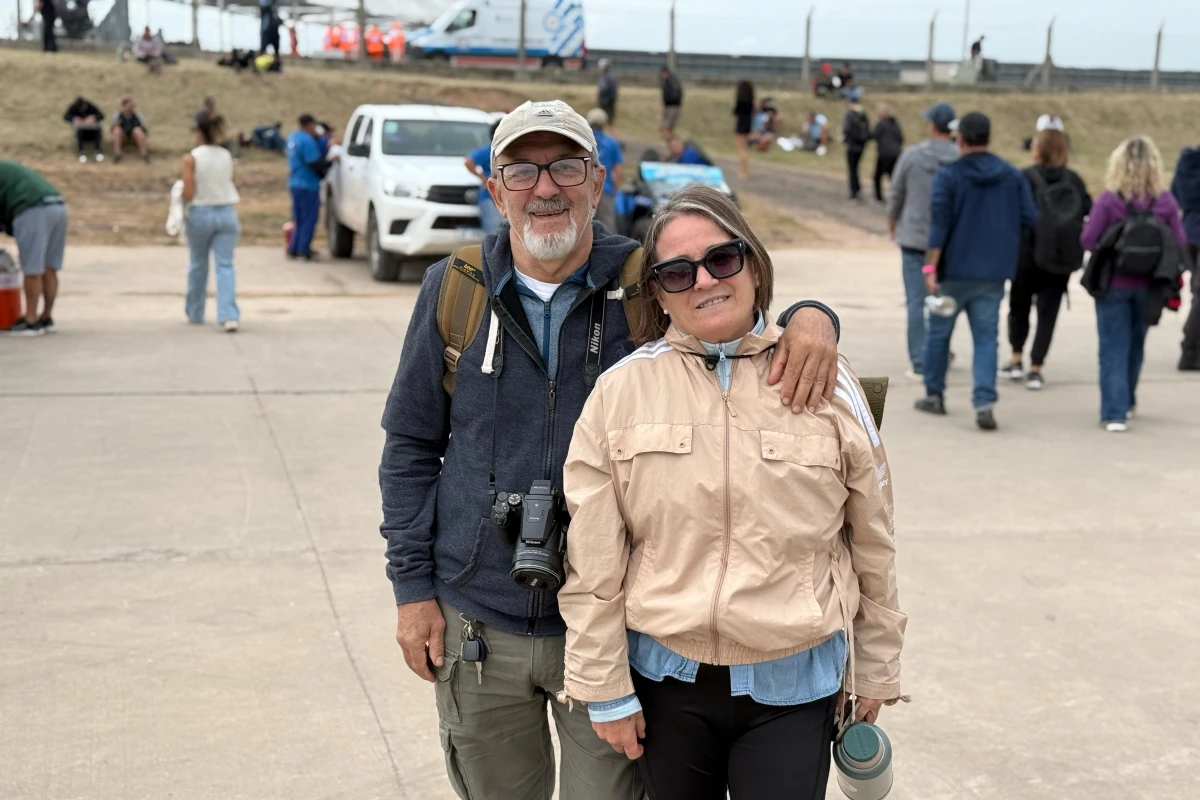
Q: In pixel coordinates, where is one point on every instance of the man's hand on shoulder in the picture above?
(805, 363)
(421, 634)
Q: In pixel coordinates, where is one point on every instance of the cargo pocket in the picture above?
(445, 689)
(454, 772)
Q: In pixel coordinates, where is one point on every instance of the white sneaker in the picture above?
(913, 375)
(82, 158)
(1116, 427)
(230, 326)
(99, 157)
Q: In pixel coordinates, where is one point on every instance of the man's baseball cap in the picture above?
(549, 116)
(974, 128)
(1050, 122)
(941, 115)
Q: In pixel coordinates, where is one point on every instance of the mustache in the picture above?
(548, 205)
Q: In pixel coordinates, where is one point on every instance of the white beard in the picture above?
(553, 246)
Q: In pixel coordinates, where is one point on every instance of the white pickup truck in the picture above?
(401, 183)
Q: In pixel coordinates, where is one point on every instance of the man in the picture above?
(307, 165)
(129, 124)
(816, 133)
(608, 152)
(35, 214)
(607, 91)
(980, 206)
(556, 321)
(231, 143)
(268, 27)
(83, 116)
(1185, 186)
(672, 102)
(763, 130)
(856, 132)
(679, 152)
(908, 219)
(49, 14)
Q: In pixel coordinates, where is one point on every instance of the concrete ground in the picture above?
(192, 597)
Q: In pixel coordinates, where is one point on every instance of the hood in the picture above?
(1187, 178)
(983, 169)
(609, 251)
(933, 154)
(426, 171)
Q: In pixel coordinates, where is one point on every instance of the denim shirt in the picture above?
(546, 317)
(792, 680)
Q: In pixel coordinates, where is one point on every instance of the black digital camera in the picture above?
(538, 521)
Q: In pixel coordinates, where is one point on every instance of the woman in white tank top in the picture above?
(212, 223)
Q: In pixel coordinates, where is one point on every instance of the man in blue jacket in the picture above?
(979, 207)
(553, 320)
(307, 165)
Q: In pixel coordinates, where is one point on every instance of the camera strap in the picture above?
(591, 365)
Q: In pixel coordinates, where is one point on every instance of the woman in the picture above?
(743, 112)
(479, 164)
(1127, 303)
(1186, 188)
(889, 141)
(704, 615)
(1049, 254)
(212, 222)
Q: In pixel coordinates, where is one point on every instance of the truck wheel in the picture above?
(384, 265)
(641, 228)
(341, 238)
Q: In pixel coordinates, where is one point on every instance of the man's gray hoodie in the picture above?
(911, 190)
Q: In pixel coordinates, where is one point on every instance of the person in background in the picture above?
(980, 206)
(856, 132)
(35, 214)
(608, 152)
(889, 141)
(231, 143)
(1050, 252)
(148, 50)
(128, 124)
(85, 118)
(764, 129)
(479, 164)
(672, 102)
(845, 82)
(816, 133)
(743, 114)
(908, 219)
(307, 165)
(268, 27)
(607, 92)
(1186, 188)
(1128, 301)
(49, 14)
(680, 152)
(212, 223)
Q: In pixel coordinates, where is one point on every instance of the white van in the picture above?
(400, 182)
(488, 31)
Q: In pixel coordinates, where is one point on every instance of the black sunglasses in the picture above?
(721, 261)
(520, 176)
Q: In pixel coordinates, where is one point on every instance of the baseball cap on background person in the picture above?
(547, 116)
(974, 128)
(941, 115)
(597, 118)
(1050, 122)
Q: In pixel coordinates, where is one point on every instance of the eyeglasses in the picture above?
(520, 176)
(721, 260)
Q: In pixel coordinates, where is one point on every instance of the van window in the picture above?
(463, 20)
(418, 137)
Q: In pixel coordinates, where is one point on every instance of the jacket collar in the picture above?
(751, 344)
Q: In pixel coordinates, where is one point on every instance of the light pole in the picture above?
(521, 40)
(671, 45)
(966, 26)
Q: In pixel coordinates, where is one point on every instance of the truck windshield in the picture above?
(414, 137)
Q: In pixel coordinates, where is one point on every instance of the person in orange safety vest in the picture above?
(333, 38)
(350, 41)
(374, 39)
(395, 42)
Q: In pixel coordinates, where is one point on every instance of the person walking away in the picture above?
(306, 167)
(548, 284)
(85, 118)
(607, 93)
(608, 152)
(980, 206)
(1185, 186)
(1139, 250)
(723, 697)
(1050, 253)
(856, 132)
(889, 141)
(49, 14)
(908, 220)
(743, 113)
(35, 214)
(212, 224)
(672, 102)
(129, 125)
(479, 164)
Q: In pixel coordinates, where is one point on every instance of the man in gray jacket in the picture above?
(909, 214)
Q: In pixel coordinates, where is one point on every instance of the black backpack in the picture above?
(858, 131)
(1056, 247)
(1139, 247)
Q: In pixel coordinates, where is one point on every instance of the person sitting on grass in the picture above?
(129, 125)
(148, 50)
(762, 131)
(83, 116)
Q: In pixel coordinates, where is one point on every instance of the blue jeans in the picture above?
(981, 301)
(911, 262)
(1121, 324)
(212, 229)
(489, 215)
(306, 208)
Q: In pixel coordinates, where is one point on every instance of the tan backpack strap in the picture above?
(631, 273)
(875, 390)
(462, 303)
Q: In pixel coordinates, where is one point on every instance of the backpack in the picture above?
(858, 129)
(1139, 247)
(462, 304)
(1056, 247)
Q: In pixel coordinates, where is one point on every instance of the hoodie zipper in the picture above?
(727, 534)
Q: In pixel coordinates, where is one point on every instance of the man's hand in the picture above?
(806, 360)
(868, 710)
(931, 284)
(623, 734)
(420, 631)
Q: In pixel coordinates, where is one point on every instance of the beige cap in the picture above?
(550, 116)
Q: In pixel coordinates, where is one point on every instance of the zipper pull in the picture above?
(729, 405)
(551, 395)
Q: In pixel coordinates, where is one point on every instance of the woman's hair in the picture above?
(745, 92)
(210, 128)
(1135, 168)
(884, 110)
(1050, 148)
(701, 201)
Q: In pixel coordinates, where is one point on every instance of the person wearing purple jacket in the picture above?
(1134, 180)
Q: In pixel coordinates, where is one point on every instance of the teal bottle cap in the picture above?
(861, 743)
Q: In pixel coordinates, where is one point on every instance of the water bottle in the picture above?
(863, 758)
(941, 305)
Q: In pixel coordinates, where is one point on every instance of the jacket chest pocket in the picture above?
(626, 443)
(646, 459)
(806, 450)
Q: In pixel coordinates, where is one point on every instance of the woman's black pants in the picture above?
(700, 740)
(1049, 289)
